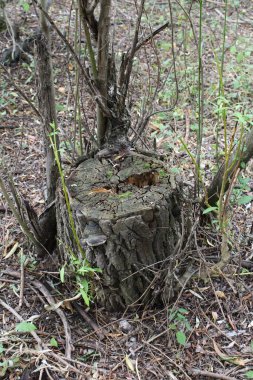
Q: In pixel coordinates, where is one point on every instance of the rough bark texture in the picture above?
(129, 221)
(47, 108)
(237, 158)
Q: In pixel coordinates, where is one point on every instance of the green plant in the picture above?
(9, 364)
(25, 5)
(179, 323)
(249, 375)
(239, 197)
(25, 327)
(53, 342)
(80, 267)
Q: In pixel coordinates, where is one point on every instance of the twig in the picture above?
(51, 301)
(127, 60)
(146, 39)
(22, 280)
(4, 208)
(11, 310)
(21, 92)
(220, 331)
(173, 362)
(9, 126)
(198, 372)
(24, 226)
(85, 316)
(93, 88)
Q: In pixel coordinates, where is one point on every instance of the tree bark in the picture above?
(129, 221)
(237, 158)
(47, 108)
(102, 64)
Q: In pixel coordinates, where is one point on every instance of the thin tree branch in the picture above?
(21, 92)
(92, 87)
(127, 61)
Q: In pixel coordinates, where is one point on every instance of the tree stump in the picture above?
(128, 217)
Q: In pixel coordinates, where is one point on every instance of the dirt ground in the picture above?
(208, 330)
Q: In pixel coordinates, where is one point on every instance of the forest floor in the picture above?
(207, 332)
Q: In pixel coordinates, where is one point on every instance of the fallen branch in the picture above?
(51, 301)
(213, 375)
(237, 158)
(85, 316)
(21, 92)
(18, 316)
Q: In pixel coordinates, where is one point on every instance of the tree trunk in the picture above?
(128, 219)
(244, 154)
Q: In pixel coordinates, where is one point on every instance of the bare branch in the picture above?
(87, 12)
(92, 87)
(21, 92)
(127, 61)
(102, 63)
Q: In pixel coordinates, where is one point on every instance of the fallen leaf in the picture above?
(62, 90)
(129, 363)
(12, 251)
(196, 294)
(220, 294)
(231, 359)
(100, 190)
(215, 316)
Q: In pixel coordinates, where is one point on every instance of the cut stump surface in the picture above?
(128, 215)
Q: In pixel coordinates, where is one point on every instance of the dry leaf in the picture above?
(218, 351)
(12, 251)
(129, 363)
(220, 294)
(196, 294)
(231, 359)
(215, 316)
(211, 244)
(100, 190)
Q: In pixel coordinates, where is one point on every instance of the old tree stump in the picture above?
(132, 221)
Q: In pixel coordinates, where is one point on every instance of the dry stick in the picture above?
(89, 320)
(21, 92)
(198, 372)
(22, 280)
(220, 331)
(127, 63)
(11, 310)
(22, 223)
(145, 40)
(51, 301)
(144, 122)
(64, 361)
(36, 337)
(101, 71)
(9, 126)
(61, 314)
(171, 361)
(93, 88)
(237, 157)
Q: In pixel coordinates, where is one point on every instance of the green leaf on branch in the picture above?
(210, 209)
